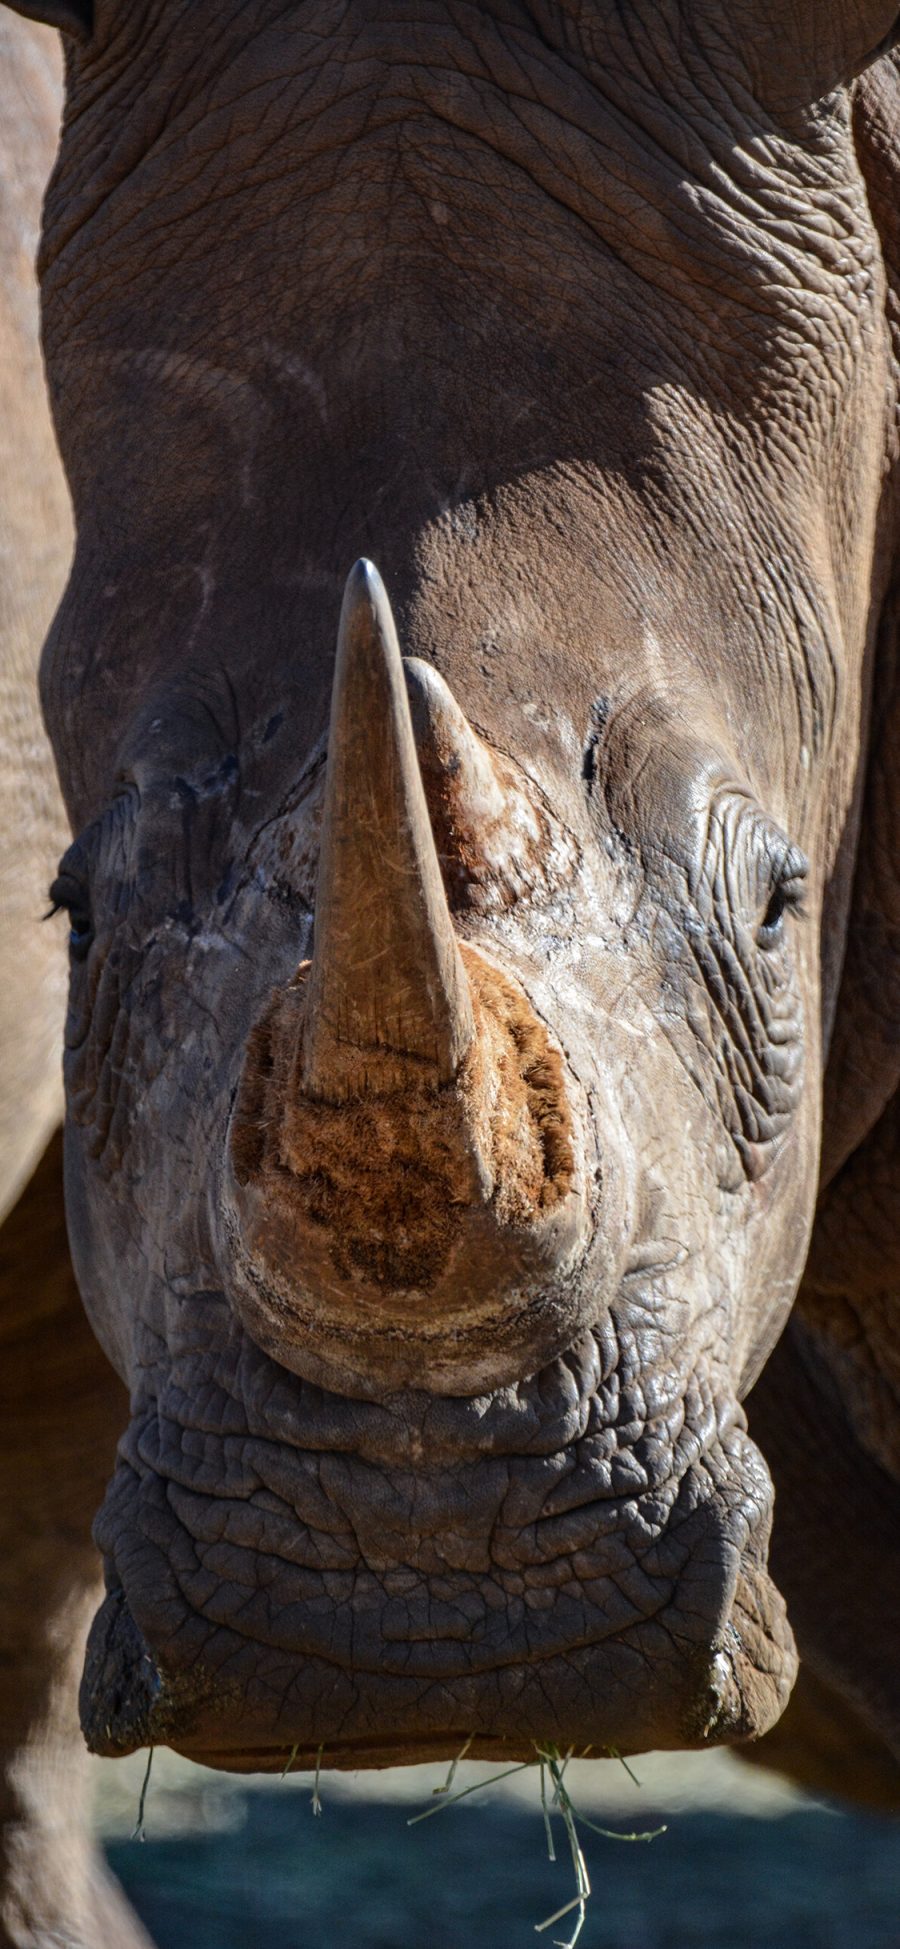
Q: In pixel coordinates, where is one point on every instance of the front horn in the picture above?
(387, 977)
(409, 1185)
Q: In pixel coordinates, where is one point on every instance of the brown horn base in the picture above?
(419, 1234)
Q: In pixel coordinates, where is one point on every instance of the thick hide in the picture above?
(452, 987)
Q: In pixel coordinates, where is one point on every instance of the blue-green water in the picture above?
(477, 1877)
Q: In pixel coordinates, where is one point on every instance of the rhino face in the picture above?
(445, 1030)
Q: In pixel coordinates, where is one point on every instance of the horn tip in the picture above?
(367, 637)
(363, 582)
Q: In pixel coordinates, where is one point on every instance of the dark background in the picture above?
(271, 1876)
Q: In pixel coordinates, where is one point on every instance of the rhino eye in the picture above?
(67, 894)
(786, 897)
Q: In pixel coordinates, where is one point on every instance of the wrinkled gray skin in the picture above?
(826, 1409)
(575, 320)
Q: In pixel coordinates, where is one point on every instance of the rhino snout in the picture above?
(410, 1161)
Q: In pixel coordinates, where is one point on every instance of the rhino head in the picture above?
(447, 1016)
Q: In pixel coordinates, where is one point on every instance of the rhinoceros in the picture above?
(484, 965)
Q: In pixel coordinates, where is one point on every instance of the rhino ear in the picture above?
(74, 17)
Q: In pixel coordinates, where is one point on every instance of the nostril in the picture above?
(121, 1686)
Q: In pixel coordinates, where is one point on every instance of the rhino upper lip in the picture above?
(596, 1385)
(509, 1515)
(287, 1565)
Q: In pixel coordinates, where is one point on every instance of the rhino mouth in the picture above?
(292, 1573)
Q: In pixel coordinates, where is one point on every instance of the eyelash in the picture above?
(67, 895)
(104, 845)
(787, 897)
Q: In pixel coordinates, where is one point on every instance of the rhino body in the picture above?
(35, 547)
(62, 1406)
(451, 1019)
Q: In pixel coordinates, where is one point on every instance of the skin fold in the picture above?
(836, 1367)
(577, 322)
